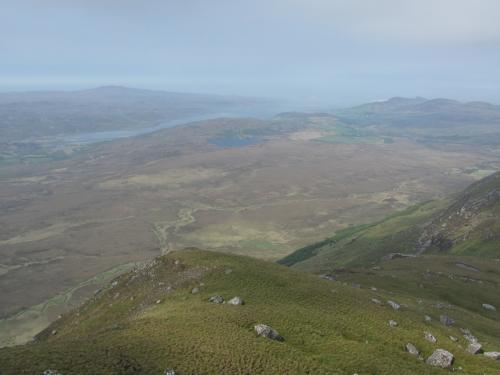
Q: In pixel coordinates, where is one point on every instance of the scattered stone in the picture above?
(441, 358)
(475, 348)
(268, 332)
(54, 332)
(469, 336)
(373, 289)
(169, 371)
(430, 337)
(376, 301)
(195, 290)
(236, 301)
(427, 318)
(51, 372)
(177, 262)
(489, 307)
(453, 338)
(228, 271)
(394, 305)
(446, 320)
(412, 349)
(393, 323)
(216, 299)
(467, 266)
(493, 355)
(114, 283)
(117, 295)
(327, 276)
(158, 301)
(356, 285)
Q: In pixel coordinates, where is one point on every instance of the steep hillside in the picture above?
(468, 224)
(159, 316)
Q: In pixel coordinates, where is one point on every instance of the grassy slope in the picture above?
(329, 327)
(467, 224)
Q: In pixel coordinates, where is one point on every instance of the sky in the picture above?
(326, 51)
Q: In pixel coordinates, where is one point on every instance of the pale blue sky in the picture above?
(330, 51)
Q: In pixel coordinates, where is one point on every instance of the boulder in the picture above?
(475, 348)
(493, 355)
(236, 301)
(489, 307)
(393, 323)
(430, 337)
(268, 332)
(441, 358)
(216, 299)
(446, 320)
(412, 349)
(469, 336)
(394, 305)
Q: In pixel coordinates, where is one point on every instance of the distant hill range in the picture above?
(46, 113)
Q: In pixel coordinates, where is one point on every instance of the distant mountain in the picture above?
(468, 224)
(29, 115)
(176, 315)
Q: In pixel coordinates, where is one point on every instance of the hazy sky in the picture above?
(340, 51)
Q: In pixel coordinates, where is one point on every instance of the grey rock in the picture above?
(227, 271)
(427, 318)
(469, 336)
(441, 358)
(376, 301)
(236, 301)
(493, 355)
(412, 349)
(268, 332)
(394, 305)
(216, 299)
(195, 290)
(489, 307)
(51, 372)
(169, 371)
(393, 323)
(54, 332)
(430, 337)
(446, 320)
(453, 338)
(475, 348)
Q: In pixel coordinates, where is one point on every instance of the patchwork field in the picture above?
(282, 187)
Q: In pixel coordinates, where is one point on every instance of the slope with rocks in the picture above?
(160, 317)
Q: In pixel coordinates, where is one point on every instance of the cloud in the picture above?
(444, 22)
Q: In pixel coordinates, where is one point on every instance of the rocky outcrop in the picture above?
(394, 305)
(446, 320)
(268, 332)
(475, 348)
(489, 307)
(493, 355)
(412, 349)
(236, 301)
(216, 299)
(430, 337)
(441, 358)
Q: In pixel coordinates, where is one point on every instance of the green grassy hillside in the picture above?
(149, 320)
(465, 225)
